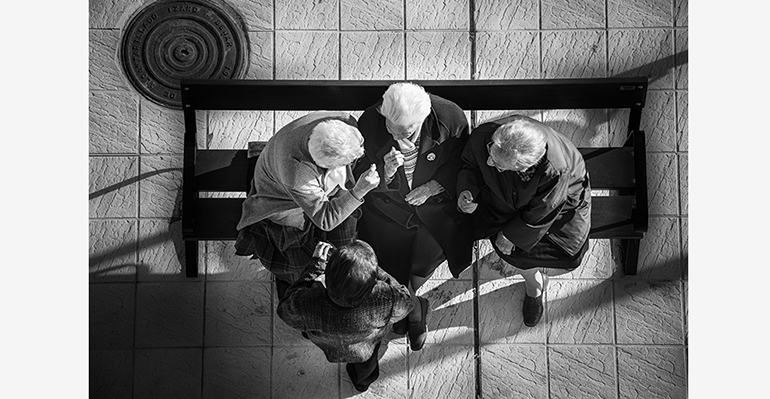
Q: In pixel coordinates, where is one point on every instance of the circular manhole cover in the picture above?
(172, 40)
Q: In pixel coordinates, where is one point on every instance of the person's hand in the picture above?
(368, 181)
(504, 244)
(465, 202)
(392, 160)
(420, 194)
(322, 250)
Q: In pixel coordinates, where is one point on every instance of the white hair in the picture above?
(335, 143)
(521, 141)
(405, 103)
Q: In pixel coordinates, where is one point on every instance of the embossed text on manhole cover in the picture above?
(172, 40)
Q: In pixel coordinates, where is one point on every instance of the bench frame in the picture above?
(202, 166)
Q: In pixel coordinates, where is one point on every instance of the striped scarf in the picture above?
(410, 160)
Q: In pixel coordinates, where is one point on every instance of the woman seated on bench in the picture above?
(527, 188)
(303, 191)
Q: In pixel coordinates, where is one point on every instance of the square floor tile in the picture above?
(582, 372)
(304, 373)
(580, 312)
(514, 371)
(442, 371)
(236, 373)
(238, 313)
(111, 315)
(652, 372)
(169, 314)
(648, 312)
(110, 374)
(168, 373)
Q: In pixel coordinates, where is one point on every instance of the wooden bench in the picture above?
(621, 170)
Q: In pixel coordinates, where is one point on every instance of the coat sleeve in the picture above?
(531, 223)
(469, 178)
(402, 300)
(305, 188)
(446, 175)
(294, 304)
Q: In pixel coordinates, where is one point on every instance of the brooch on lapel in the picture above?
(431, 157)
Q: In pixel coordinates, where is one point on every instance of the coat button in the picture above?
(431, 157)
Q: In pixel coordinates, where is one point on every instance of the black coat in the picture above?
(387, 216)
(555, 202)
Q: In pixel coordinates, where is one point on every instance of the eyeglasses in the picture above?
(517, 166)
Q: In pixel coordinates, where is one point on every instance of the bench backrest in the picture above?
(230, 170)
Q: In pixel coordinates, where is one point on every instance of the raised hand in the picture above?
(393, 159)
(368, 181)
(322, 250)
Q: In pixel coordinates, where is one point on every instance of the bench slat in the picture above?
(222, 170)
(231, 170)
(216, 218)
(610, 168)
(611, 217)
(286, 95)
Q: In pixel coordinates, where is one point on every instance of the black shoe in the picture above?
(533, 310)
(401, 327)
(418, 331)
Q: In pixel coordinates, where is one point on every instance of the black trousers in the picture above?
(364, 373)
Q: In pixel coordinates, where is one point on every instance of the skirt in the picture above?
(286, 251)
(543, 254)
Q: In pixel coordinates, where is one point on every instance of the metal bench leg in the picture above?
(191, 258)
(630, 256)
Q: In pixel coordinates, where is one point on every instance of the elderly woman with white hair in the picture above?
(527, 187)
(303, 192)
(415, 139)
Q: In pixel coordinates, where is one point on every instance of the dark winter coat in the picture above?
(555, 203)
(443, 136)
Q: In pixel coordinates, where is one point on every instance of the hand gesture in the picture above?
(393, 159)
(504, 244)
(465, 202)
(322, 250)
(368, 181)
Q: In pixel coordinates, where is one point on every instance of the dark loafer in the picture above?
(418, 331)
(533, 310)
(401, 326)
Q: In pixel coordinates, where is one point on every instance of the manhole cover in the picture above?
(172, 40)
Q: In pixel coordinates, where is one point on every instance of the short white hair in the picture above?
(521, 141)
(405, 103)
(335, 143)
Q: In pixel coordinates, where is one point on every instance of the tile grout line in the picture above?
(203, 325)
(476, 333)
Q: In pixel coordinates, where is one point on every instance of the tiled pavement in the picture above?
(154, 333)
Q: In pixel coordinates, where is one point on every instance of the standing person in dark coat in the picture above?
(349, 313)
(528, 190)
(415, 140)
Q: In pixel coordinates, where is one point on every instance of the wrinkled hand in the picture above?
(392, 160)
(420, 194)
(322, 250)
(368, 181)
(465, 202)
(504, 244)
